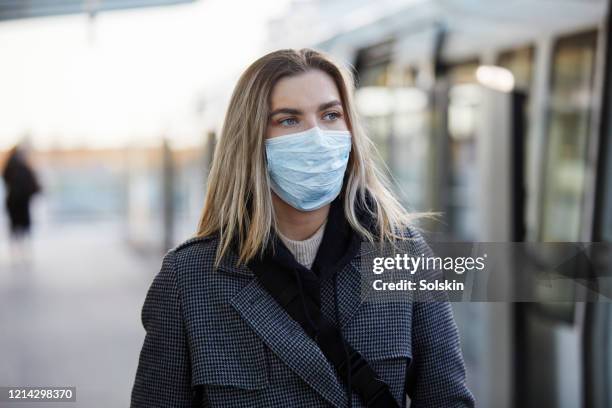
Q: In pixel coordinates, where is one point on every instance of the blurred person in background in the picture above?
(21, 185)
(262, 308)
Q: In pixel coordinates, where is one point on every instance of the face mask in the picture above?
(307, 168)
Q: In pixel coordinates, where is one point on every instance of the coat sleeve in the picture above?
(436, 376)
(163, 376)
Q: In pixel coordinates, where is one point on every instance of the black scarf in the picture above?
(297, 289)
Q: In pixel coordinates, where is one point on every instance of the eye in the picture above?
(332, 116)
(288, 122)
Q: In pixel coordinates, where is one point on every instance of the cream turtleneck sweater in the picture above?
(305, 251)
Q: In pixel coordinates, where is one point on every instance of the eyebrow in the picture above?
(293, 111)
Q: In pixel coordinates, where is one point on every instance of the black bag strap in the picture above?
(197, 396)
(374, 392)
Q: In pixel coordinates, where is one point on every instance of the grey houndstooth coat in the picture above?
(222, 331)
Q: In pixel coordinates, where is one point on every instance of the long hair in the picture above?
(238, 203)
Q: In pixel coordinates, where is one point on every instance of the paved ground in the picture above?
(72, 316)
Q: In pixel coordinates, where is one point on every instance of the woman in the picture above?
(262, 308)
(21, 185)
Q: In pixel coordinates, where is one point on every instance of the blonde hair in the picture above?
(238, 203)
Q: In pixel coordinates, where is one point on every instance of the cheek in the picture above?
(273, 131)
(339, 124)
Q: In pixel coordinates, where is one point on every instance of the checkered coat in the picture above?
(219, 331)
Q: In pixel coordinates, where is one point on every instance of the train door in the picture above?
(597, 326)
(549, 333)
(496, 208)
(468, 141)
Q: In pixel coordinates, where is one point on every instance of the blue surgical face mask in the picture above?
(307, 168)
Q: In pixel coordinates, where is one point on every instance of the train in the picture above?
(497, 116)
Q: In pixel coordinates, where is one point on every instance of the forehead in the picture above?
(304, 90)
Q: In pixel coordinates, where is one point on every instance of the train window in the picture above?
(373, 63)
(372, 66)
(409, 153)
(409, 76)
(567, 136)
(520, 63)
(463, 110)
(397, 122)
(395, 113)
(463, 72)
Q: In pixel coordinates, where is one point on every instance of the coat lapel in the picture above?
(286, 338)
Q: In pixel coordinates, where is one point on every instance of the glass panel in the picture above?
(568, 130)
(396, 118)
(374, 75)
(373, 64)
(410, 147)
(463, 111)
(373, 67)
(396, 121)
(462, 73)
(520, 63)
